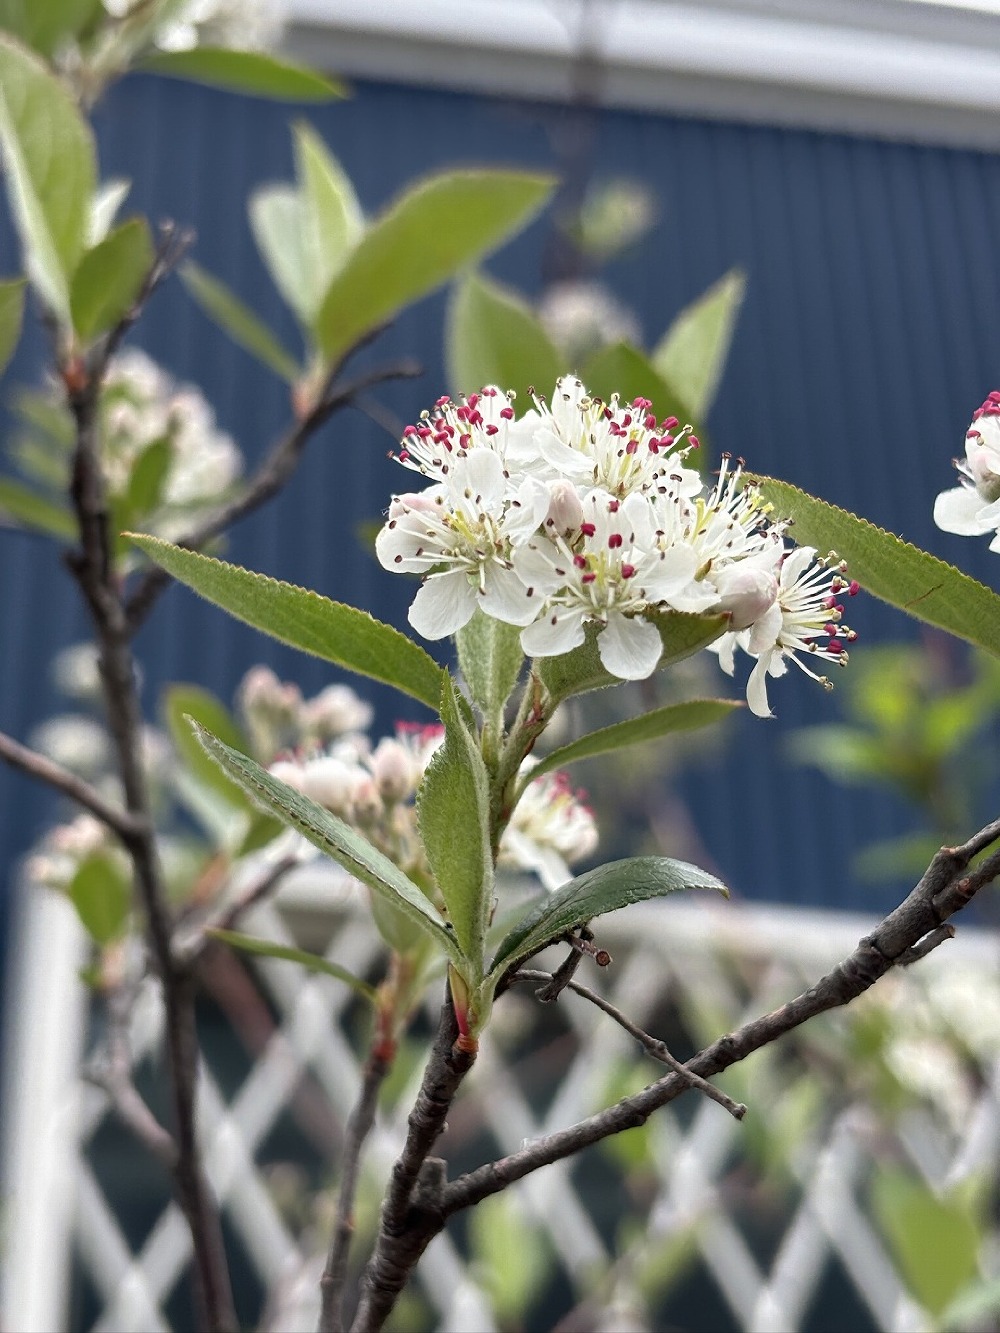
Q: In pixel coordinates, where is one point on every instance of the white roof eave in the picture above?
(927, 70)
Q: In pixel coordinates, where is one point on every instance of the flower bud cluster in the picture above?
(277, 717)
(586, 513)
(141, 406)
(375, 788)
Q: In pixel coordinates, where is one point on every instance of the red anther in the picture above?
(632, 446)
(669, 423)
(443, 401)
(580, 561)
(588, 578)
(492, 430)
(641, 402)
(650, 422)
(409, 430)
(830, 628)
(424, 432)
(654, 445)
(667, 441)
(472, 399)
(829, 603)
(588, 529)
(614, 541)
(694, 441)
(613, 506)
(627, 419)
(628, 571)
(507, 413)
(404, 456)
(994, 396)
(854, 589)
(465, 440)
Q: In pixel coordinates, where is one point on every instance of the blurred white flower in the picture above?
(551, 828)
(581, 317)
(973, 507)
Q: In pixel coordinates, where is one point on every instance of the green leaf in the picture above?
(606, 889)
(433, 230)
(242, 325)
(493, 337)
(638, 730)
(11, 314)
(277, 220)
(692, 353)
(337, 633)
(102, 898)
(621, 369)
(251, 72)
(338, 840)
(32, 510)
(145, 485)
(180, 702)
(935, 1240)
(104, 208)
(453, 816)
(45, 24)
(49, 154)
(490, 656)
(582, 669)
(331, 216)
(109, 278)
(891, 569)
(312, 962)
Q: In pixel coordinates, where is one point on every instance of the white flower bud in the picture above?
(334, 711)
(746, 593)
(565, 509)
(394, 771)
(331, 783)
(288, 771)
(367, 801)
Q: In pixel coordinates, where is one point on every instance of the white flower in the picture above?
(973, 507)
(805, 617)
(611, 574)
(460, 534)
(580, 317)
(551, 828)
(585, 513)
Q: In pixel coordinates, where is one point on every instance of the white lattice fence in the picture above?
(694, 1222)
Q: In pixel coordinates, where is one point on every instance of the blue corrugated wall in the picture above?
(869, 333)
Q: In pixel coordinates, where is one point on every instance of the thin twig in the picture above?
(271, 476)
(359, 1126)
(62, 780)
(189, 948)
(113, 1075)
(93, 567)
(411, 1214)
(656, 1048)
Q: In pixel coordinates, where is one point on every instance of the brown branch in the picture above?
(943, 890)
(359, 1126)
(271, 476)
(62, 780)
(411, 1212)
(915, 927)
(93, 568)
(656, 1048)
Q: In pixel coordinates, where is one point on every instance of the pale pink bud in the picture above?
(412, 501)
(565, 510)
(367, 801)
(746, 593)
(287, 771)
(330, 783)
(393, 770)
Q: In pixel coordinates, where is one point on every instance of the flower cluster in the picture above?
(143, 408)
(973, 507)
(241, 24)
(374, 788)
(586, 513)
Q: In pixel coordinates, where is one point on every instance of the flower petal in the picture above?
(443, 604)
(629, 648)
(554, 634)
(505, 597)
